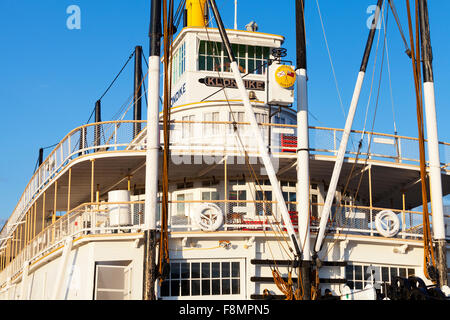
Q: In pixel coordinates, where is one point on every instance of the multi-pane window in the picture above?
(237, 195)
(236, 117)
(264, 208)
(358, 276)
(178, 63)
(210, 56)
(251, 59)
(182, 200)
(212, 278)
(289, 197)
(210, 195)
(187, 128)
(211, 128)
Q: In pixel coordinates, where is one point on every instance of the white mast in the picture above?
(433, 146)
(152, 153)
(302, 197)
(235, 14)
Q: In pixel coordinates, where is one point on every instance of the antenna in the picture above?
(235, 14)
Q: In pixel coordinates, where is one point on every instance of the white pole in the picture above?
(339, 161)
(235, 14)
(434, 167)
(152, 154)
(276, 189)
(303, 164)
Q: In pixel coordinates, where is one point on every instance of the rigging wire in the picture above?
(390, 87)
(331, 59)
(112, 83)
(373, 77)
(350, 175)
(397, 20)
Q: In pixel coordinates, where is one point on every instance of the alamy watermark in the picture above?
(373, 10)
(73, 21)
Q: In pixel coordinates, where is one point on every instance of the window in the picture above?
(236, 117)
(210, 56)
(178, 63)
(290, 196)
(211, 128)
(182, 208)
(237, 193)
(202, 278)
(112, 280)
(210, 195)
(251, 59)
(358, 276)
(314, 207)
(264, 208)
(187, 129)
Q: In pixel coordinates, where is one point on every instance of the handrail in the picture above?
(48, 239)
(65, 151)
(53, 154)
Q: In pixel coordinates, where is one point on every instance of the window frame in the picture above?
(171, 282)
(242, 58)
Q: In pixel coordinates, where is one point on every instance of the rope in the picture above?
(168, 42)
(429, 258)
(285, 287)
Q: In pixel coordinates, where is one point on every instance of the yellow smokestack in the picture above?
(197, 14)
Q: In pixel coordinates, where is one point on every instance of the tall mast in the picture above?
(250, 115)
(137, 101)
(433, 145)
(303, 149)
(346, 134)
(98, 118)
(152, 153)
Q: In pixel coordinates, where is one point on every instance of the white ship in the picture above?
(109, 214)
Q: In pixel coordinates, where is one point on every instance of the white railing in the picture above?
(86, 219)
(87, 139)
(238, 215)
(215, 139)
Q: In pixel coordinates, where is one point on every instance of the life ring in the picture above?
(208, 217)
(387, 223)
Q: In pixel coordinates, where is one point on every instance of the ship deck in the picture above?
(77, 176)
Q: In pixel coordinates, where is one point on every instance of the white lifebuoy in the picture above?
(387, 223)
(208, 217)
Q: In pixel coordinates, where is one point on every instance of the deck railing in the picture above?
(212, 138)
(243, 216)
(86, 219)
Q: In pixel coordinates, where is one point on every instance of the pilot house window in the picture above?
(179, 63)
(212, 57)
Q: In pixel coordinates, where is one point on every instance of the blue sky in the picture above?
(51, 76)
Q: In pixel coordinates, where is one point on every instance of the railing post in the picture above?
(115, 136)
(403, 214)
(370, 200)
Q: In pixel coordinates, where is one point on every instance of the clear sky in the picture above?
(51, 76)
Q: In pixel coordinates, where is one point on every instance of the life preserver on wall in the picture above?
(387, 223)
(208, 217)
